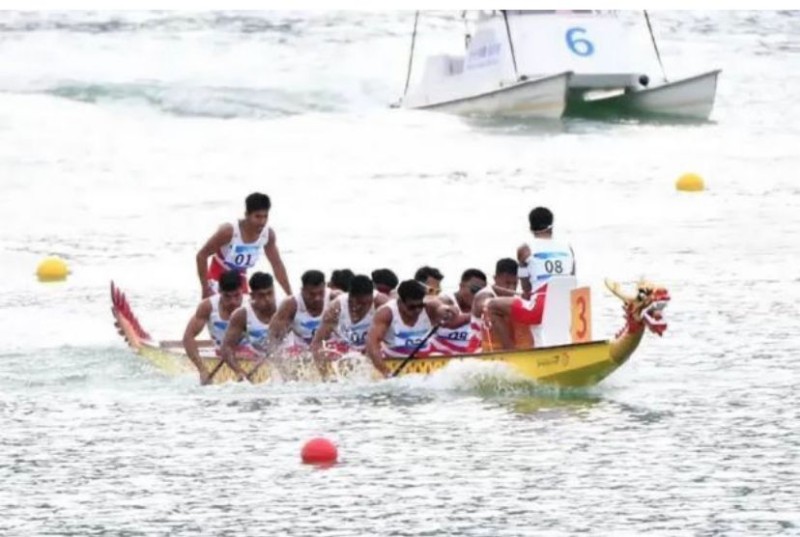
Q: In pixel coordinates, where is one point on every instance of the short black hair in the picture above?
(361, 285)
(540, 219)
(260, 281)
(257, 202)
(312, 278)
(340, 279)
(423, 273)
(473, 273)
(411, 290)
(506, 266)
(231, 280)
(385, 277)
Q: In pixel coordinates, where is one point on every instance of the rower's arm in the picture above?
(478, 301)
(523, 254)
(281, 322)
(457, 317)
(274, 257)
(380, 300)
(223, 236)
(237, 327)
(193, 329)
(439, 312)
(329, 321)
(380, 325)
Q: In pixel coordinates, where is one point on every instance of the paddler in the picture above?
(248, 329)
(347, 319)
(540, 260)
(301, 314)
(400, 326)
(238, 245)
(385, 281)
(431, 278)
(505, 285)
(214, 313)
(456, 336)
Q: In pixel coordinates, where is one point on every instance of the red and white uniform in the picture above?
(549, 259)
(401, 340)
(237, 255)
(458, 340)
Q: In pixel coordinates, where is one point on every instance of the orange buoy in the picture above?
(319, 451)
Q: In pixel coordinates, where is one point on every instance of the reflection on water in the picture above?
(552, 407)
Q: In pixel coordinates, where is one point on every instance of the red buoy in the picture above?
(319, 451)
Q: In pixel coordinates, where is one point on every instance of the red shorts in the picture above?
(529, 311)
(215, 270)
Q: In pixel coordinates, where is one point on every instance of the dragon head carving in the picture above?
(645, 308)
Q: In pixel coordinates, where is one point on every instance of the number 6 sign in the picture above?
(581, 314)
(579, 45)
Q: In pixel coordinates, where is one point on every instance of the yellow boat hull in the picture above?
(571, 366)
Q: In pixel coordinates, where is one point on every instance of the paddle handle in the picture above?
(421, 344)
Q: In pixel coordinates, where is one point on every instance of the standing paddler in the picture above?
(238, 245)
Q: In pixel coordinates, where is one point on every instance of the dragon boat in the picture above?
(578, 364)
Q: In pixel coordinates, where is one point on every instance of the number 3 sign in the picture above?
(581, 312)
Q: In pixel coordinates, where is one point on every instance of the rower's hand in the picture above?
(205, 378)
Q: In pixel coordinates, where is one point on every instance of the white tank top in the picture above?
(216, 324)
(305, 325)
(239, 255)
(452, 340)
(549, 258)
(257, 331)
(400, 340)
(354, 334)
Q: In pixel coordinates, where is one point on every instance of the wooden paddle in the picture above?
(261, 361)
(219, 366)
(215, 370)
(421, 344)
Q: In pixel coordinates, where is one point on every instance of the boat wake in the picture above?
(468, 376)
(219, 102)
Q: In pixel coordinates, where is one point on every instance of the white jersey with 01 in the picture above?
(549, 259)
(240, 255)
(401, 340)
(353, 334)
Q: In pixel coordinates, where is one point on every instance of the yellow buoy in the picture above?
(52, 269)
(690, 182)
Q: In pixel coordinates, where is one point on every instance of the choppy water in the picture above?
(127, 138)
